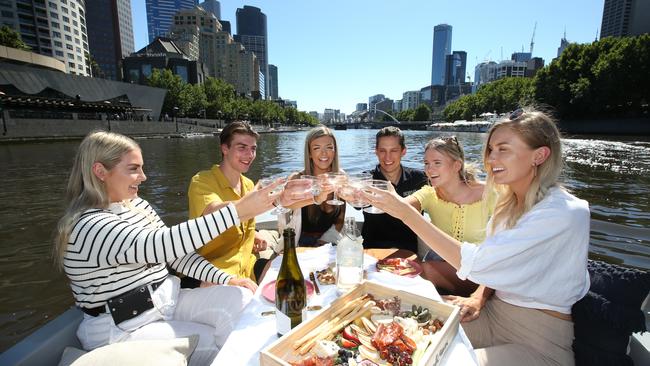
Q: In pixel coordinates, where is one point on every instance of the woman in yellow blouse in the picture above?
(457, 203)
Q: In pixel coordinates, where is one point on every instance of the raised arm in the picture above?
(103, 238)
(400, 208)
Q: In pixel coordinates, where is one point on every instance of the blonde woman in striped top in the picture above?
(115, 249)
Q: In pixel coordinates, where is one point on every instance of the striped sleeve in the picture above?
(195, 266)
(104, 239)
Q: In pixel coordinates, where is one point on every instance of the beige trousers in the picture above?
(506, 334)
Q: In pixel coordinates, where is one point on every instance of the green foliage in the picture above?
(607, 78)
(165, 79)
(610, 77)
(219, 101)
(499, 96)
(10, 38)
(422, 113)
(406, 115)
(218, 94)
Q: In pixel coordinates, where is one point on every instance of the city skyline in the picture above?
(337, 54)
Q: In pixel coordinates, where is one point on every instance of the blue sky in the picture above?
(336, 53)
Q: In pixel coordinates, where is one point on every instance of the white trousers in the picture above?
(210, 312)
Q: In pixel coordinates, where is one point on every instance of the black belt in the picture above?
(139, 299)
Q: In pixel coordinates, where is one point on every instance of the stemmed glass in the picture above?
(314, 187)
(352, 189)
(279, 209)
(337, 180)
(377, 183)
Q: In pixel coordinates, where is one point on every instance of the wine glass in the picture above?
(351, 191)
(377, 183)
(278, 210)
(336, 180)
(314, 187)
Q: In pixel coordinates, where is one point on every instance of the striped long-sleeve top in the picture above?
(112, 251)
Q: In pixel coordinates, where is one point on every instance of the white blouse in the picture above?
(541, 262)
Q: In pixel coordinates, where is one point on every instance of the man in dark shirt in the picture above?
(383, 230)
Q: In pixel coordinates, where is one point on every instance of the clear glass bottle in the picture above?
(290, 291)
(349, 257)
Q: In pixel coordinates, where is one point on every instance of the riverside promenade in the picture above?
(17, 130)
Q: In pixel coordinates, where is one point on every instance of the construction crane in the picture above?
(532, 40)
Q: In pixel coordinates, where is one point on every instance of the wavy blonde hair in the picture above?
(536, 129)
(85, 190)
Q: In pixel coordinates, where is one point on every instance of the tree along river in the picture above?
(613, 174)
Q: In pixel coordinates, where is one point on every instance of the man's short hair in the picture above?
(241, 127)
(390, 131)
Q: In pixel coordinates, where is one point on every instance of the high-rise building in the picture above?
(410, 100)
(625, 18)
(251, 33)
(54, 28)
(224, 58)
(273, 81)
(110, 35)
(533, 65)
(361, 107)
(563, 44)
(397, 105)
(225, 26)
(483, 74)
(441, 48)
(212, 6)
(521, 56)
(160, 15)
(373, 100)
(456, 65)
(510, 68)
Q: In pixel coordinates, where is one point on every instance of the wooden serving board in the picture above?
(281, 352)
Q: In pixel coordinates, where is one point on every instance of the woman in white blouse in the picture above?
(534, 256)
(114, 249)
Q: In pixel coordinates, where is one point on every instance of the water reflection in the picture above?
(613, 175)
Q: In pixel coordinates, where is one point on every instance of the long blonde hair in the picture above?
(85, 190)
(451, 147)
(536, 129)
(313, 134)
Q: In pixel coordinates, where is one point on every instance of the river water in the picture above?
(613, 174)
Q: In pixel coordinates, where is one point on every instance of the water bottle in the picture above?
(349, 257)
(290, 291)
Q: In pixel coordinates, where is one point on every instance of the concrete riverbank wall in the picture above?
(51, 129)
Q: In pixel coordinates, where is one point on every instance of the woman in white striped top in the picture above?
(114, 248)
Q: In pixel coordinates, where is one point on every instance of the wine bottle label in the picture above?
(283, 322)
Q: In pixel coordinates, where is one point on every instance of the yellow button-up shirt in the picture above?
(232, 251)
(466, 222)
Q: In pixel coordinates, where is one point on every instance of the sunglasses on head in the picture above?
(516, 114)
(451, 139)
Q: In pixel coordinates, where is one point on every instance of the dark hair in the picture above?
(233, 128)
(390, 131)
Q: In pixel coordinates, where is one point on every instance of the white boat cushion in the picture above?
(168, 352)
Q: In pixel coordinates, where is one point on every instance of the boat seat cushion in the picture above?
(168, 352)
(595, 310)
(618, 284)
(610, 312)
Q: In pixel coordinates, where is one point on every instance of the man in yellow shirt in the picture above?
(233, 251)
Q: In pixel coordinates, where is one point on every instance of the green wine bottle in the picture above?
(290, 291)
